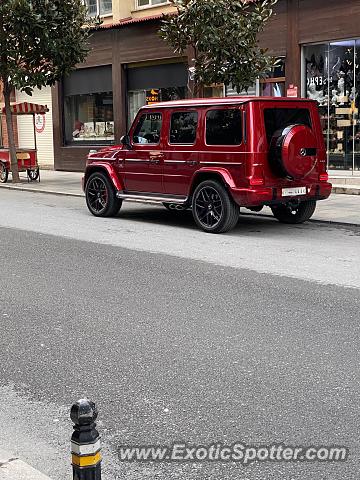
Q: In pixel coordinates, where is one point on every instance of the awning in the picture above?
(26, 108)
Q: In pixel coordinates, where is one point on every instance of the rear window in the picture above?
(223, 127)
(277, 118)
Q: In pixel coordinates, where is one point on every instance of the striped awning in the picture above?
(26, 108)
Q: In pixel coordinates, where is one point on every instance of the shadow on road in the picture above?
(248, 223)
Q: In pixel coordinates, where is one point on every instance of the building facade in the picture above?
(317, 42)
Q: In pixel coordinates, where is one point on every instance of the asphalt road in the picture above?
(177, 335)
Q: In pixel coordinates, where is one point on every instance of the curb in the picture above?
(41, 190)
(313, 220)
(346, 189)
(11, 468)
(81, 195)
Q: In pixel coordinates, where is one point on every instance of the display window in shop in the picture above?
(88, 107)
(272, 85)
(332, 73)
(156, 83)
(139, 98)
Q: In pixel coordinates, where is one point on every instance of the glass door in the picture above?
(341, 102)
(355, 107)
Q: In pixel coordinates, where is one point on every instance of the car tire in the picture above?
(4, 173)
(101, 197)
(214, 210)
(292, 215)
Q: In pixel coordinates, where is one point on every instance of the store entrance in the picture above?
(150, 84)
(333, 80)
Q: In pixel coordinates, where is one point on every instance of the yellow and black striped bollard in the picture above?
(85, 441)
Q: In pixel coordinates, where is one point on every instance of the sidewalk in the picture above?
(12, 468)
(343, 209)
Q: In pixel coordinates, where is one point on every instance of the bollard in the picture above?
(85, 441)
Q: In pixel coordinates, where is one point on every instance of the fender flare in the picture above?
(109, 170)
(222, 172)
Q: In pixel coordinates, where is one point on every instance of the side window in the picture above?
(223, 127)
(183, 127)
(148, 129)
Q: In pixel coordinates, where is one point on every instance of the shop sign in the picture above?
(318, 80)
(152, 96)
(39, 122)
(292, 91)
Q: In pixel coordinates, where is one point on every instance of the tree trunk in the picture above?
(10, 133)
(195, 88)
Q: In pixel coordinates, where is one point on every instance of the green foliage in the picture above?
(40, 41)
(224, 36)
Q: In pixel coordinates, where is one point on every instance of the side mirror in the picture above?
(125, 140)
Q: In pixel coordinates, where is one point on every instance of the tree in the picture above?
(40, 42)
(224, 37)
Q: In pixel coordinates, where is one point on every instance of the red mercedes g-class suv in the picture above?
(214, 156)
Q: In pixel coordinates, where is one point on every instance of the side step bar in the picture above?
(154, 198)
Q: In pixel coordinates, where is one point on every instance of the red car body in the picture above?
(169, 173)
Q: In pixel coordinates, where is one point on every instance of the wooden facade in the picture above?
(296, 23)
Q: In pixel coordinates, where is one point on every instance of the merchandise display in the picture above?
(333, 80)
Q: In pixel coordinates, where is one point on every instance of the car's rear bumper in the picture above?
(261, 195)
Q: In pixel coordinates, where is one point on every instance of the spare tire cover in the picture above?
(293, 151)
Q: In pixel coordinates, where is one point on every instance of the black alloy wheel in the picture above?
(292, 213)
(214, 210)
(4, 174)
(101, 197)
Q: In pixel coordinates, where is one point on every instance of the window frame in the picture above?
(217, 108)
(98, 14)
(90, 141)
(136, 123)
(144, 7)
(197, 127)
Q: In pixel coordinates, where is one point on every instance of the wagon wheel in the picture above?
(4, 173)
(33, 174)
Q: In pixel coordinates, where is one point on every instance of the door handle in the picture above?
(192, 163)
(154, 161)
(156, 155)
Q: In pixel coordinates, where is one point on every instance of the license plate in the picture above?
(292, 192)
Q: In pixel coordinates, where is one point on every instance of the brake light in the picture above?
(256, 181)
(323, 177)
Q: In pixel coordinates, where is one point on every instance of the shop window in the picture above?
(155, 83)
(333, 79)
(139, 98)
(273, 85)
(88, 107)
(223, 127)
(99, 7)
(148, 129)
(183, 127)
(212, 91)
(150, 3)
(252, 91)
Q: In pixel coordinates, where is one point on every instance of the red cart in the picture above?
(27, 157)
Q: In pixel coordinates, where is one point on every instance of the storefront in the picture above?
(88, 107)
(128, 66)
(318, 42)
(154, 83)
(332, 78)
